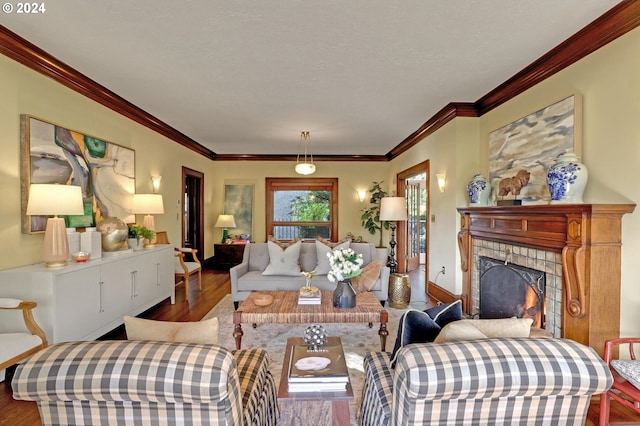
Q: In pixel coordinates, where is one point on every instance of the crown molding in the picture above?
(619, 20)
(31, 56)
(276, 157)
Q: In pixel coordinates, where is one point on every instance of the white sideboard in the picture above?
(83, 301)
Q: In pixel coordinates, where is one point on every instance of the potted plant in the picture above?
(137, 235)
(371, 217)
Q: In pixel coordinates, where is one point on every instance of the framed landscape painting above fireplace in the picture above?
(533, 143)
(104, 171)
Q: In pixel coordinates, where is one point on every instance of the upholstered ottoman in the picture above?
(143, 382)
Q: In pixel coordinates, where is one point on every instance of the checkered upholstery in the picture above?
(146, 383)
(524, 381)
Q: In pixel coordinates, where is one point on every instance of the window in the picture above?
(302, 207)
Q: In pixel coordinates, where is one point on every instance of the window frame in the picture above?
(301, 184)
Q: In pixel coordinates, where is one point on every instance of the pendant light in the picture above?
(306, 167)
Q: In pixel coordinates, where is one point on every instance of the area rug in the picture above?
(357, 340)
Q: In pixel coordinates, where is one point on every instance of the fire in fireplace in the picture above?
(508, 290)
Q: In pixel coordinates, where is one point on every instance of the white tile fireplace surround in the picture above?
(577, 245)
(542, 260)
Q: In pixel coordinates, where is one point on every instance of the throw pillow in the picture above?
(283, 261)
(446, 313)
(202, 332)
(368, 277)
(629, 369)
(414, 327)
(323, 248)
(484, 329)
(283, 244)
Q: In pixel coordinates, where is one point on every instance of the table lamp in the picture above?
(53, 199)
(148, 204)
(225, 221)
(393, 209)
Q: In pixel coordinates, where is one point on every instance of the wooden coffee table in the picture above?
(285, 310)
(307, 408)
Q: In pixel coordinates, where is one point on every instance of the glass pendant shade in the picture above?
(306, 167)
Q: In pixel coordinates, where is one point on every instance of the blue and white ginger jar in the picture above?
(567, 179)
(479, 191)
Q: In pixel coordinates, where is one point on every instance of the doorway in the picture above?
(193, 214)
(413, 235)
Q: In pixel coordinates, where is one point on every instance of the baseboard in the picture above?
(440, 294)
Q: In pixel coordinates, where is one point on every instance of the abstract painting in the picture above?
(533, 143)
(238, 201)
(103, 170)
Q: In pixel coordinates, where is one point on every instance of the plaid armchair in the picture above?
(525, 381)
(142, 382)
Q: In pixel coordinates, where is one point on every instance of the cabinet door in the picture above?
(77, 304)
(117, 291)
(153, 272)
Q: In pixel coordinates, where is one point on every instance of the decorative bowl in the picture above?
(114, 233)
(263, 299)
(80, 256)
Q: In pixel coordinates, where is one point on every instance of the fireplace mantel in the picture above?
(589, 238)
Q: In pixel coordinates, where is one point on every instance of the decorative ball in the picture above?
(114, 233)
(315, 335)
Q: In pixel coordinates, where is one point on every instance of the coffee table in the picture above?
(320, 408)
(285, 310)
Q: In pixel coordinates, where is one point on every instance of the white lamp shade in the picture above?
(52, 199)
(305, 168)
(148, 204)
(393, 209)
(225, 221)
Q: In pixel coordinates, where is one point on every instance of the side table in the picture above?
(311, 408)
(226, 256)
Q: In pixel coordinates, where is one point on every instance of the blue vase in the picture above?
(479, 191)
(567, 179)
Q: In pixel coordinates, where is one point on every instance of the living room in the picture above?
(606, 80)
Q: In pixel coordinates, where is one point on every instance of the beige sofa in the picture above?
(248, 276)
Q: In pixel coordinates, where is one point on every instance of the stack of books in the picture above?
(309, 297)
(317, 369)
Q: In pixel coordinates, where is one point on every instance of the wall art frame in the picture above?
(105, 171)
(238, 201)
(533, 143)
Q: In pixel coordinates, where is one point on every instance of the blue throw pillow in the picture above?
(414, 327)
(446, 313)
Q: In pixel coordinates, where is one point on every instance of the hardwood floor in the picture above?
(215, 285)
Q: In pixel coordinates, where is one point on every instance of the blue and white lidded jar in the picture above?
(479, 191)
(567, 179)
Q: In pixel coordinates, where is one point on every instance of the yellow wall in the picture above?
(608, 83)
(27, 92)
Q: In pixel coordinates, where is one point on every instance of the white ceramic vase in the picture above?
(567, 179)
(479, 191)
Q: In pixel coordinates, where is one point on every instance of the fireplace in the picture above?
(578, 246)
(508, 290)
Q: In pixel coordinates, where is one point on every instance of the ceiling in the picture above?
(246, 77)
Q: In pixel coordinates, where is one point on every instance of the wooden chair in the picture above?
(622, 391)
(183, 268)
(16, 346)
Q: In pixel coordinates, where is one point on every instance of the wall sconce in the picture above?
(362, 193)
(155, 180)
(441, 177)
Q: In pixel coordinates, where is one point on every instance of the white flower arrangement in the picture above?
(345, 264)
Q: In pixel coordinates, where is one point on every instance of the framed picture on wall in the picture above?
(238, 201)
(533, 143)
(52, 154)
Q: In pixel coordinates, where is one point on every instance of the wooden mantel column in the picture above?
(589, 237)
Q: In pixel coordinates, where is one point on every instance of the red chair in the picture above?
(622, 391)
